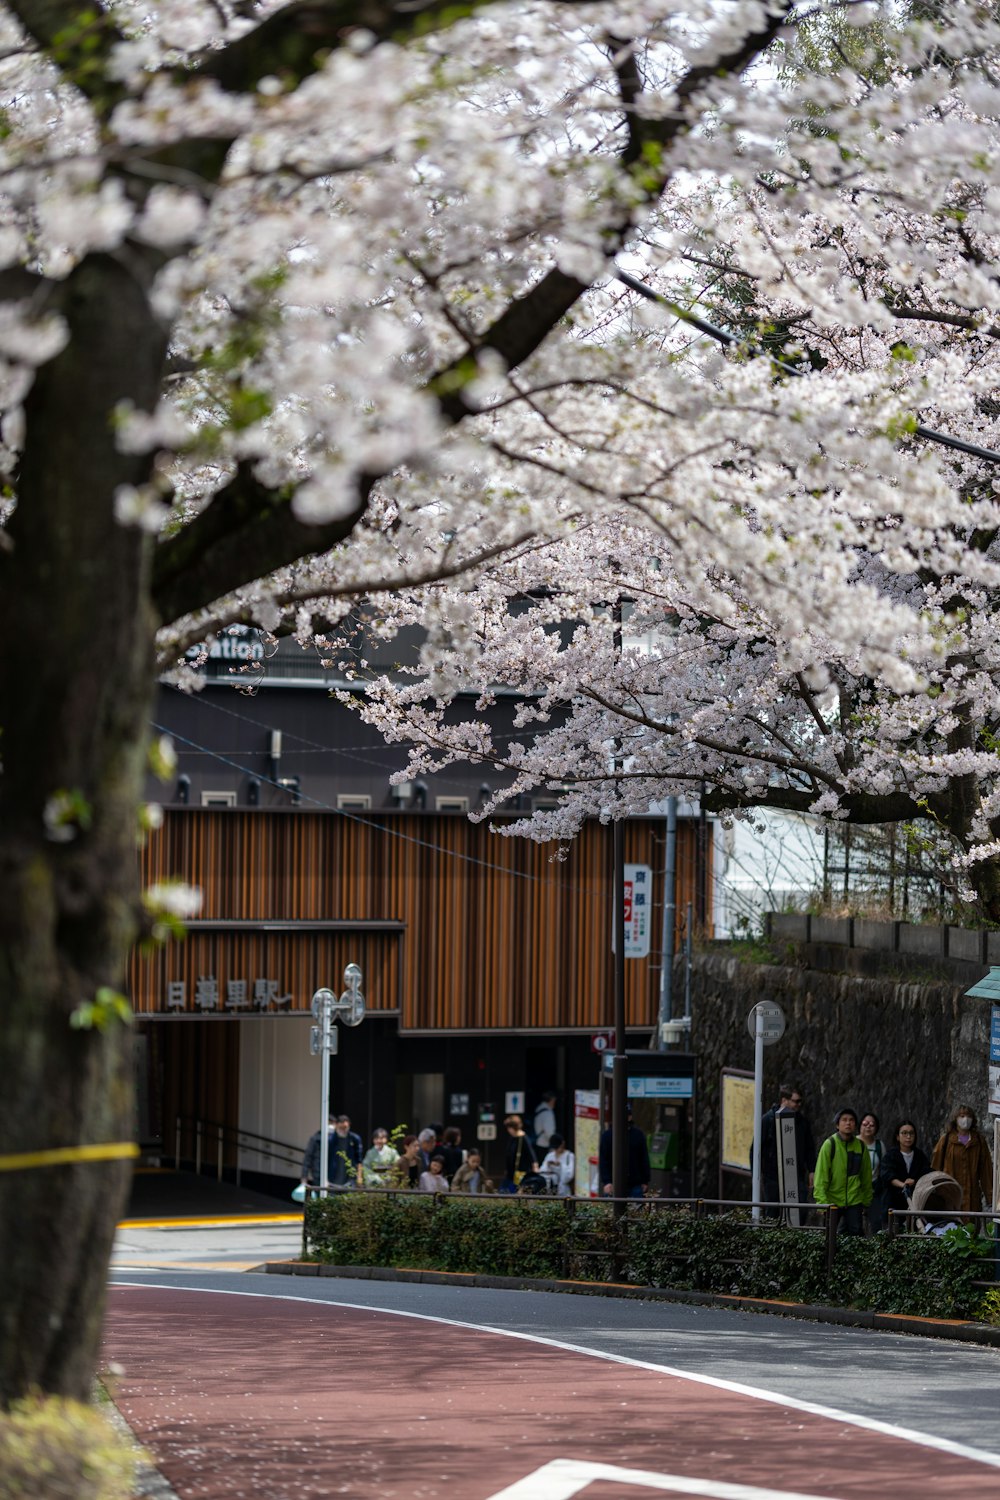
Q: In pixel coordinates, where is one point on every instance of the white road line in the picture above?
(563, 1478)
(794, 1403)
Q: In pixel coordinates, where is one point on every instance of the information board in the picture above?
(736, 1133)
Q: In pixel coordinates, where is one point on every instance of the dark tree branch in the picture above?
(245, 532)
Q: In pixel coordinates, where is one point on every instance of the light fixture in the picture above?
(184, 788)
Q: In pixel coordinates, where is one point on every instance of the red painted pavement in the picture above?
(272, 1399)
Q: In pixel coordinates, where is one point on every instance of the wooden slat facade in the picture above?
(469, 930)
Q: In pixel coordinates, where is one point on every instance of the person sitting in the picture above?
(559, 1167)
(379, 1160)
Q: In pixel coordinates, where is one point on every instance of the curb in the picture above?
(934, 1328)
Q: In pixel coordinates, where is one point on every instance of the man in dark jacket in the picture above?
(344, 1153)
(638, 1162)
(789, 1107)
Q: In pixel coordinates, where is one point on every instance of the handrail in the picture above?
(231, 1135)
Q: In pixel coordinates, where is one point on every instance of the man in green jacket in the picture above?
(844, 1173)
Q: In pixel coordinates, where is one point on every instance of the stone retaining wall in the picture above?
(912, 1049)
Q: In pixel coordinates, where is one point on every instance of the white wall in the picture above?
(279, 1086)
(762, 866)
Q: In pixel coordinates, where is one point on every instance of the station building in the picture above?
(486, 960)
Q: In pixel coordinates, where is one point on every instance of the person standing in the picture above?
(434, 1180)
(637, 1168)
(406, 1172)
(346, 1151)
(427, 1140)
(843, 1177)
(520, 1158)
(310, 1162)
(789, 1106)
(962, 1152)
(903, 1165)
(470, 1177)
(451, 1149)
(544, 1123)
(868, 1135)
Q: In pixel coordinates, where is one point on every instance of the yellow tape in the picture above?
(20, 1161)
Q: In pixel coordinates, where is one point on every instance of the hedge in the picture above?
(651, 1246)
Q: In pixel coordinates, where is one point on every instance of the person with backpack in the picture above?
(844, 1174)
(543, 1123)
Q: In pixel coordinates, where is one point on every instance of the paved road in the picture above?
(417, 1371)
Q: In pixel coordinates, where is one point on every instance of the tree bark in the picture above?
(76, 679)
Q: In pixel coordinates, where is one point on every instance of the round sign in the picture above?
(321, 998)
(352, 1007)
(773, 1018)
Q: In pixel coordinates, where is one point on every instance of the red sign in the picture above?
(603, 1041)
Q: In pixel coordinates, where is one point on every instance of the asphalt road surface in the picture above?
(290, 1389)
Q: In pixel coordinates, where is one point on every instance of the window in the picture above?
(218, 799)
(452, 804)
(354, 802)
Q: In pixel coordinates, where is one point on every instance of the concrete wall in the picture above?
(280, 1088)
(912, 1049)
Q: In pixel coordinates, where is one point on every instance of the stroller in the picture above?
(534, 1185)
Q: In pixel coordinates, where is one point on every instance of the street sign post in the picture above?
(766, 1024)
(326, 1008)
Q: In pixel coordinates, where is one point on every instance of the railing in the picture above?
(825, 1220)
(208, 1136)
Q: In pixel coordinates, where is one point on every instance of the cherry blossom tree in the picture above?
(308, 303)
(258, 262)
(804, 545)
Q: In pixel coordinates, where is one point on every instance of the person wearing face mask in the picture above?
(962, 1152)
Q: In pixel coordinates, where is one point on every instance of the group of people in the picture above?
(434, 1161)
(855, 1172)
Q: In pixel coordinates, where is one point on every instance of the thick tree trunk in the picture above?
(984, 877)
(76, 652)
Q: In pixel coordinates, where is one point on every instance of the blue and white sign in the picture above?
(661, 1088)
(637, 895)
(995, 1034)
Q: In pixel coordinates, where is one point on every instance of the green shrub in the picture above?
(53, 1449)
(652, 1245)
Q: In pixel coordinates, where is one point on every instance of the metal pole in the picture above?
(197, 1148)
(669, 925)
(619, 1074)
(324, 1124)
(758, 1106)
(218, 1159)
(177, 1146)
(688, 946)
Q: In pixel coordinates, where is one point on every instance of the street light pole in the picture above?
(350, 1008)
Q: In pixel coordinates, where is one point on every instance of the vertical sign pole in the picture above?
(619, 1075)
(324, 1063)
(758, 1106)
